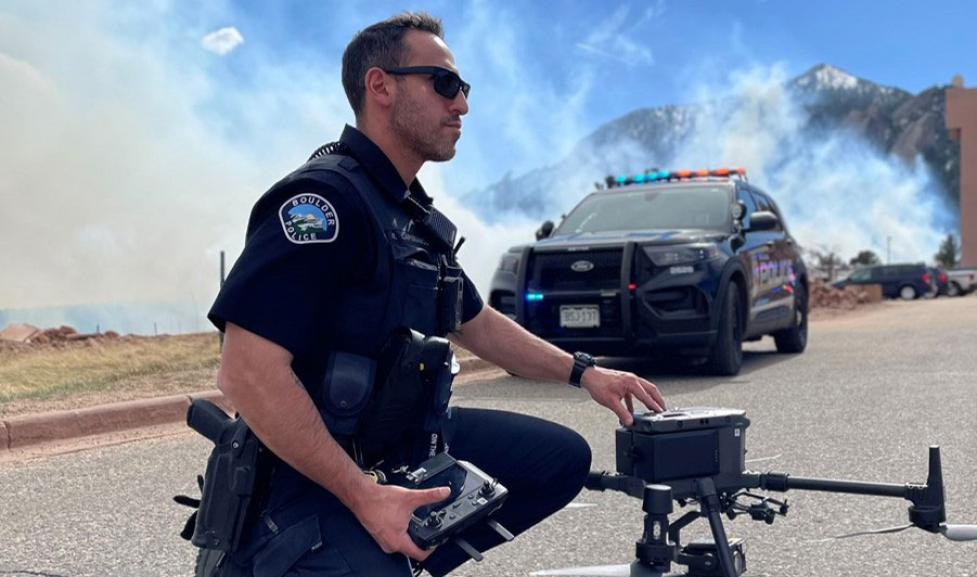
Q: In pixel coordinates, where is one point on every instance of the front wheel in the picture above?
(794, 339)
(907, 292)
(953, 290)
(727, 356)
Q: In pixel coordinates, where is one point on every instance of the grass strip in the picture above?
(103, 365)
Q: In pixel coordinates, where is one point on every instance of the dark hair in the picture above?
(381, 45)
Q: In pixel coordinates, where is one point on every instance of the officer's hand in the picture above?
(609, 387)
(386, 513)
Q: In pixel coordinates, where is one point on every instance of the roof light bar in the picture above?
(655, 175)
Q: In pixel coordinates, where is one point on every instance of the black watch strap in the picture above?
(581, 362)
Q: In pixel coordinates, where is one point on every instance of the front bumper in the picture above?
(651, 308)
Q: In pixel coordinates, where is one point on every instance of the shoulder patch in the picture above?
(309, 218)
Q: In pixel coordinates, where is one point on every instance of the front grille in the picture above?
(552, 272)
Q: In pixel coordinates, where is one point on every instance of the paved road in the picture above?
(872, 392)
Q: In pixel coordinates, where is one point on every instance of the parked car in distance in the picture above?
(963, 281)
(905, 281)
(940, 282)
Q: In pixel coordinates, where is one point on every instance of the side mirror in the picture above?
(545, 230)
(763, 220)
(739, 210)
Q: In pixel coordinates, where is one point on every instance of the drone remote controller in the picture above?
(474, 497)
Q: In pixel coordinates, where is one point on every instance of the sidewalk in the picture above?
(22, 431)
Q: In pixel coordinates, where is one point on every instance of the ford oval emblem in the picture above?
(582, 266)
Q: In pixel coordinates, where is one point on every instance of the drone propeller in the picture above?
(594, 571)
(951, 532)
(959, 532)
(873, 532)
(761, 459)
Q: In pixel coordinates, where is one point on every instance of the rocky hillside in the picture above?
(893, 120)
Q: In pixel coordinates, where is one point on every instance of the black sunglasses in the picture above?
(447, 83)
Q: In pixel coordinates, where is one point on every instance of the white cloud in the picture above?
(222, 41)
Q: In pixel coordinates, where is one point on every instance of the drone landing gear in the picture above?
(660, 544)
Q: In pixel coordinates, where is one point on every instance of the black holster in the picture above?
(237, 475)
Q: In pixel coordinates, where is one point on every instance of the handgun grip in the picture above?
(207, 419)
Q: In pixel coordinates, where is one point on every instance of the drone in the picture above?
(698, 455)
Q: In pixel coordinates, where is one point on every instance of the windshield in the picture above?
(679, 207)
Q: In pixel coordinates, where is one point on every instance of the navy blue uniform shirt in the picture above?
(283, 290)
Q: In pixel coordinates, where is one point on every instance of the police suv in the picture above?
(690, 262)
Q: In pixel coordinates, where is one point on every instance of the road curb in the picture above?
(29, 430)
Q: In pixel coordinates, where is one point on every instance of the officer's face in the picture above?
(428, 123)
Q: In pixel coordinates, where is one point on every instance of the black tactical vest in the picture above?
(416, 284)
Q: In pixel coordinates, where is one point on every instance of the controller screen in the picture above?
(452, 477)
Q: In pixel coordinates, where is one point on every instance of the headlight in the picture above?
(668, 256)
(509, 263)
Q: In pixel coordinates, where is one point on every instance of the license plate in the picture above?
(579, 316)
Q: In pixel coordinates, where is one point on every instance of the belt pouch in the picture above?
(346, 391)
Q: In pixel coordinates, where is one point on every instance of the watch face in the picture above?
(584, 358)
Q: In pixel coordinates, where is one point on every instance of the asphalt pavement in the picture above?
(873, 391)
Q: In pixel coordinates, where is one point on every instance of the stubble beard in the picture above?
(424, 141)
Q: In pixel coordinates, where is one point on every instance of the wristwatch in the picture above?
(581, 362)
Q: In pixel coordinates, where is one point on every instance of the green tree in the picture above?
(949, 253)
(865, 258)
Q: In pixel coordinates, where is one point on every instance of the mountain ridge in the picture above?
(828, 100)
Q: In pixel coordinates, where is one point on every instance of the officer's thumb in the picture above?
(433, 495)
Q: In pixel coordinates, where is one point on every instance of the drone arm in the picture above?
(783, 482)
(927, 511)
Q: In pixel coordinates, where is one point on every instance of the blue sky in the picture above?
(134, 147)
(584, 63)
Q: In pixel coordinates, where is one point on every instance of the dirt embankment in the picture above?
(26, 337)
(827, 301)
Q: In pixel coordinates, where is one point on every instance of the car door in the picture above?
(754, 252)
(773, 267)
(889, 279)
(782, 276)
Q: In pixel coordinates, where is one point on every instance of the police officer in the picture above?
(337, 255)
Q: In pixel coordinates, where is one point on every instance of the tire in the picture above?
(794, 339)
(208, 563)
(908, 292)
(953, 290)
(727, 356)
